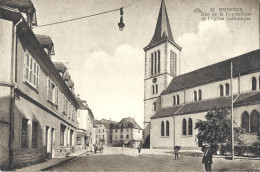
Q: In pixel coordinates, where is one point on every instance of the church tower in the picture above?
(162, 63)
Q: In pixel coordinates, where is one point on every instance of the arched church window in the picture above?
(174, 100)
(155, 62)
(195, 95)
(184, 132)
(162, 128)
(200, 95)
(254, 122)
(190, 126)
(253, 83)
(154, 106)
(245, 122)
(172, 63)
(167, 128)
(151, 64)
(227, 89)
(152, 89)
(159, 61)
(221, 91)
(156, 88)
(178, 99)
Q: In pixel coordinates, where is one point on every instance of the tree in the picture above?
(216, 130)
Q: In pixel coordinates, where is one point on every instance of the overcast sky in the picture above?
(107, 65)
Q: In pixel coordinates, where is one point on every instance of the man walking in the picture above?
(207, 158)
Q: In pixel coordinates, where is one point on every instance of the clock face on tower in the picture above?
(154, 80)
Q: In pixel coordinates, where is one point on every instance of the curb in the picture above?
(62, 163)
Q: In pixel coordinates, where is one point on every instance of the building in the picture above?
(85, 129)
(174, 102)
(127, 132)
(38, 108)
(103, 131)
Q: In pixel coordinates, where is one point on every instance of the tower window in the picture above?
(178, 99)
(151, 64)
(153, 89)
(156, 88)
(159, 61)
(154, 106)
(155, 63)
(173, 61)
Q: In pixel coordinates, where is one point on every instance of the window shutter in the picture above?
(56, 96)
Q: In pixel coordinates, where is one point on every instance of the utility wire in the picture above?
(92, 15)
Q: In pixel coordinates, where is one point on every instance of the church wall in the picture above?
(149, 112)
(158, 141)
(211, 90)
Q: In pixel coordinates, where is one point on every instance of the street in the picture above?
(123, 160)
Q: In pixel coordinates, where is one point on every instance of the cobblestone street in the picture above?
(116, 159)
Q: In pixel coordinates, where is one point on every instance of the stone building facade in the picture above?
(38, 106)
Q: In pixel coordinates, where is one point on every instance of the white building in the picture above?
(127, 132)
(173, 103)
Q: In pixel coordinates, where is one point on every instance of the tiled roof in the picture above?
(59, 66)
(219, 71)
(163, 29)
(202, 106)
(80, 104)
(128, 123)
(46, 42)
(107, 123)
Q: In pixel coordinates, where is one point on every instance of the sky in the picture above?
(107, 65)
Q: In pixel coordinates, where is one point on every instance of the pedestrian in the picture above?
(176, 152)
(139, 149)
(207, 158)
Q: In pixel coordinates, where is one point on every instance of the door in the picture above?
(47, 141)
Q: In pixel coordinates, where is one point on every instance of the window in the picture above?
(159, 61)
(184, 132)
(167, 128)
(34, 134)
(178, 99)
(78, 141)
(116, 130)
(127, 136)
(151, 64)
(245, 122)
(31, 70)
(71, 137)
(62, 134)
(52, 92)
(122, 130)
(174, 100)
(65, 105)
(190, 126)
(253, 83)
(195, 95)
(24, 133)
(156, 88)
(153, 89)
(162, 128)
(227, 89)
(127, 130)
(99, 130)
(121, 137)
(103, 137)
(154, 106)
(221, 91)
(155, 63)
(254, 122)
(173, 62)
(200, 95)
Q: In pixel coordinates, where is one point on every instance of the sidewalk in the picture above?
(43, 166)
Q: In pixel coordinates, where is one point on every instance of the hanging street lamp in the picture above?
(121, 25)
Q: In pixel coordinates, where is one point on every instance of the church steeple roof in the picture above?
(163, 28)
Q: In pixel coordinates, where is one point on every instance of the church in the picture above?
(174, 102)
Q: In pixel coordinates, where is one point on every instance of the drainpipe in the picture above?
(12, 96)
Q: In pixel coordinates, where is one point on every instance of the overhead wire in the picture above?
(92, 15)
